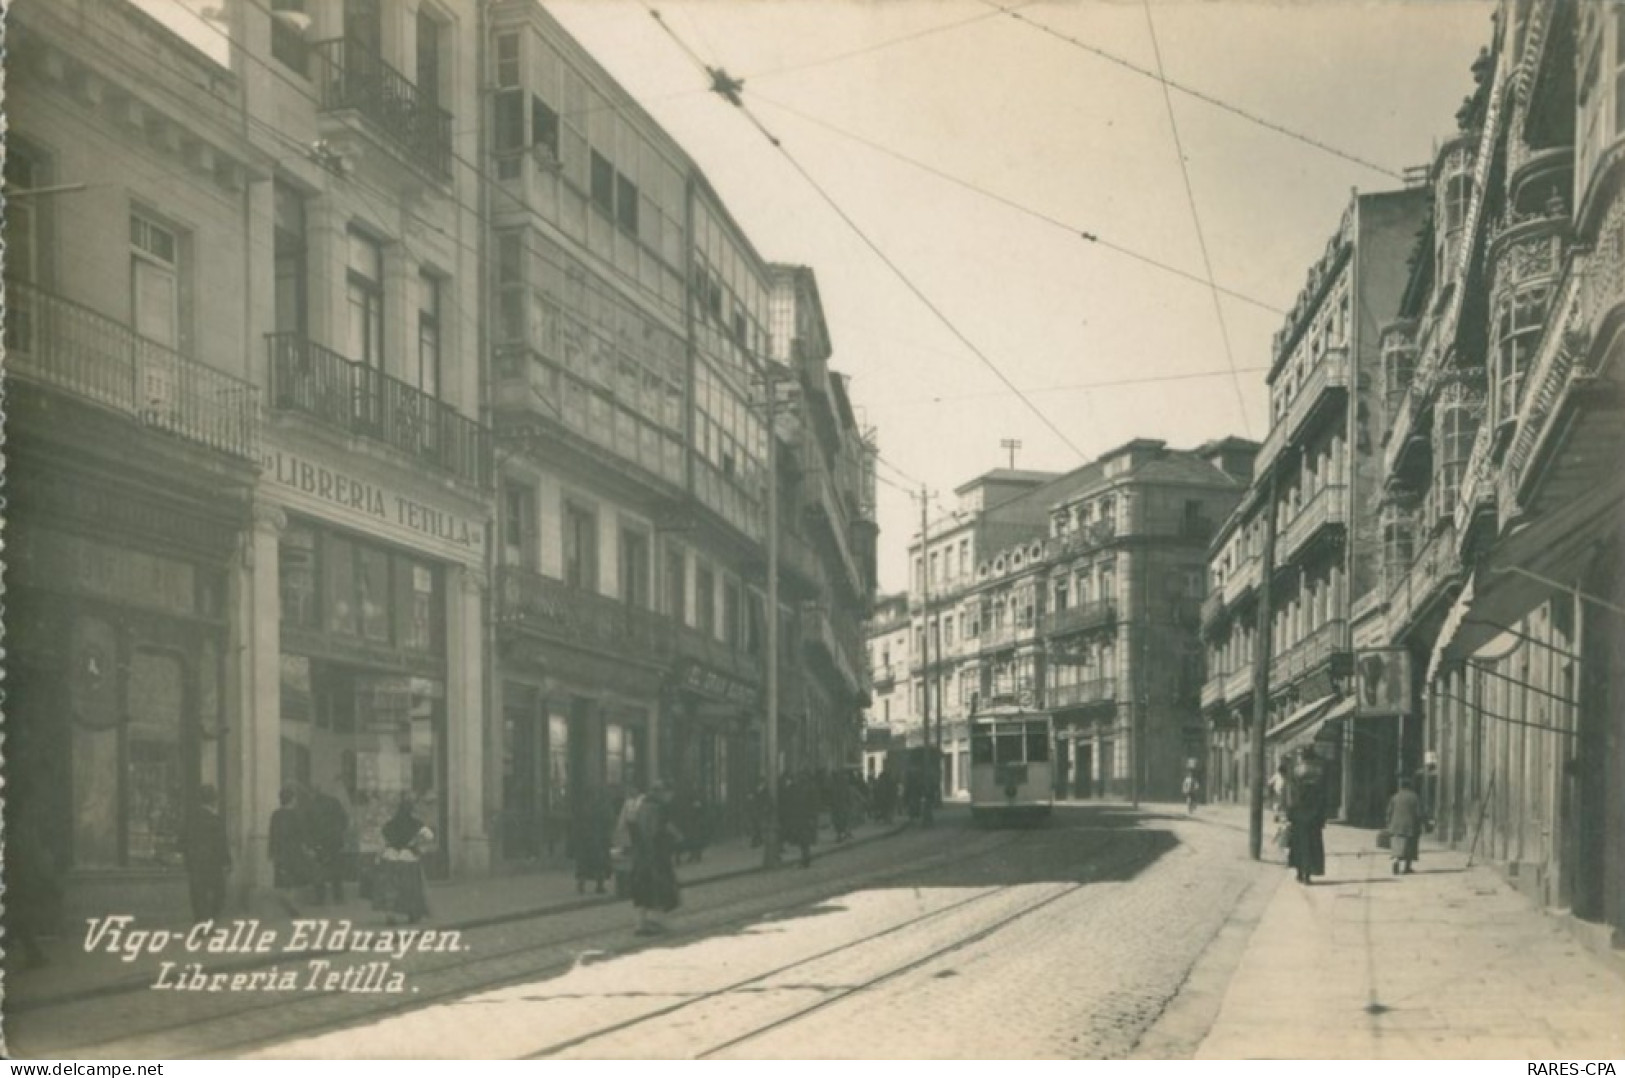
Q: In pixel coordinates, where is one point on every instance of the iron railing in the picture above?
(352, 76)
(68, 346)
(1080, 617)
(1093, 691)
(553, 608)
(1213, 691)
(1309, 653)
(362, 400)
(1328, 505)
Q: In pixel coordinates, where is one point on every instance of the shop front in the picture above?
(367, 628)
(715, 746)
(120, 654)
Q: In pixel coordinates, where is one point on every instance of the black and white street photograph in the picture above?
(813, 530)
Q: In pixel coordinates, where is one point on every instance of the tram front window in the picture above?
(1007, 748)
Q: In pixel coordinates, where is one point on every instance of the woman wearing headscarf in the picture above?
(654, 847)
(400, 890)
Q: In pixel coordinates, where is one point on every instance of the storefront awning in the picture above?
(1304, 716)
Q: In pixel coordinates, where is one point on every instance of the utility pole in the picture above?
(1261, 677)
(928, 779)
(770, 847)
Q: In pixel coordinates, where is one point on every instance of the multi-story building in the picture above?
(1501, 587)
(891, 714)
(387, 399)
(1074, 588)
(1316, 471)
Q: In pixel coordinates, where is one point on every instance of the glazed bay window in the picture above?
(1519, 319)
(1455, 427)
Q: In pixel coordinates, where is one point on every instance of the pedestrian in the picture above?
(207, 855)
(797, 808)
(290, 850)
(592, 830)
(1404, 825)
(1192, 788)
(400, 891)
(758, 813)
(1277, 787)
(620, 852)
(840, 806)
(1306, 817)
(654, 874)
(886, 795)
(328, 825)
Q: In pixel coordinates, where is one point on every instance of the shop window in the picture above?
(296, 573)
(558, 765)
(418, 612)
(339, 593)
(614, 754)
(372, 597)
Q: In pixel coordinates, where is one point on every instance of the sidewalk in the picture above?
(1447, 963)
(72, 974)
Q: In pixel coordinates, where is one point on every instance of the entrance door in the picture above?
(1106, 774)
(1063, 767)
(1083, 771)
(523, 779)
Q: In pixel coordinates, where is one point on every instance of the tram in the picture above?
(1012, 764)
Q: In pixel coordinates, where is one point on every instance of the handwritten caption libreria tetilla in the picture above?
(323, 955)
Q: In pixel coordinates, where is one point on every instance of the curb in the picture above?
(132, 984)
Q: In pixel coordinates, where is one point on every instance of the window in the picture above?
(626, 204)
(1037, 744)
(1518, 324)
(544, 126)
(25, 219)
(936, 574)
(291, 289)
(676, 587)
(603, 184)
(428, 369)
(948, 630)
(155, 281)
(580, 547)
(705, 589)
(364, 296)
(518, 525)
(428, 57)
(363, 24)
(635, 568)
(731, 620)
(1060, 595)
(964, 557)
(289, 24)
(508, 108)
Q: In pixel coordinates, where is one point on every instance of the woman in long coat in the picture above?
(1404, 825)
(400, 890)
(1306, 816)
(654, 849)
(290, 850)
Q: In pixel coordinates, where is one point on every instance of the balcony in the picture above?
(1244, 579)
(1080, 618)
(1212, 692)
(1309, 654)
(552, 609)
(820, 633)
(1089, 537)
(1326, 508)
(350, 76)
(1434, 568)
(1212, 606)
(1238, 683)
(53, 341)
(823, 503)
(886, 675)
(1083, 693)
(363, 401)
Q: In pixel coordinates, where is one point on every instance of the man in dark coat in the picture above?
(207, 854)
(798, 806)
(1306, 813)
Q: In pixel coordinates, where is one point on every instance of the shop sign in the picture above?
(57, 559)
(1383, 682)
(373, 503)
(715, 684)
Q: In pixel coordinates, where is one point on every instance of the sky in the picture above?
(944, 160)
(1044, 128)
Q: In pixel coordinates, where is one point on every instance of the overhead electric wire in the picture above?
(729, 89)
(1200, 95)
(1113, 384)
(1085, 234)
(1196, 219)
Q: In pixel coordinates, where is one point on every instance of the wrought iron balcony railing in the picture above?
(1243, 579)
(1092, 691)
(1309, 653)
(572, 615)
(1213, 691)
(350, 75)
(1081, 617)
(1238, 683)
(358, 399)
(54, 341)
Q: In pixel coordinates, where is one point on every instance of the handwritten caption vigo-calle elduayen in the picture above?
(323, 955)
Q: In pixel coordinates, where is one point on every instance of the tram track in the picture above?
(1133, 849)
(465, 969)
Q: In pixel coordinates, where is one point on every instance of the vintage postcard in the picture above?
(927, 529)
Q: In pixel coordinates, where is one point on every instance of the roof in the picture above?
(1006, 475)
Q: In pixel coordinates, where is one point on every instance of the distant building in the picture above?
(1063, 592)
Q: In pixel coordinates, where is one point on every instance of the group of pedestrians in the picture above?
(1299, 791)
(637, 842)
(313, 846)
